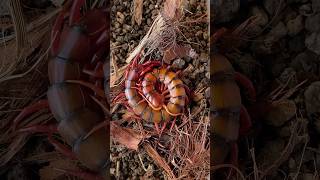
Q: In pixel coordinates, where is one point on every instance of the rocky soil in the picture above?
(280, 49)
(125, 36)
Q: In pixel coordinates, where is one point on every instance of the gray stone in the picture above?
(279, 31)
(260, 14)
(280, 113)
(316, 5)
(4, 8)
(204, 57)
(305, 62)
(313, 23)
(273, 5)
(225, 10)
(295, 26)
(296, 1)
(178, 63)
(296, 43)
(312, 98)
(312, 42)
(306, 10)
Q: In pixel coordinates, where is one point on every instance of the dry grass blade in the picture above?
(298, 128)
(37, 31)
(157, 24)
(163, 34)
(116, 76)
(158, 159)
(214, 168)
(45, 157)
(19, 24)
(137, 10)
(10, 77)
(190, 144)
(16, 144)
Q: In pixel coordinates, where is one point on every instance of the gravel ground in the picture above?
(283, 47)
(124, 38)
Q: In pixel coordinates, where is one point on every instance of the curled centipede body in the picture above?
(154, 94)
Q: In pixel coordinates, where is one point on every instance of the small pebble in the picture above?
(178, 63)
(313, 42)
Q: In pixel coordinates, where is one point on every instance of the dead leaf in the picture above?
(178, 51)
(137, 10)
(126, 136)
(172, 9)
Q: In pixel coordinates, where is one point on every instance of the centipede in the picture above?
(230, 119)
(154, 93)
(76, 97)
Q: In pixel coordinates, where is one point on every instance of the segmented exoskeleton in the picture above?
(79, 44)
(154, 93)
(229, 117)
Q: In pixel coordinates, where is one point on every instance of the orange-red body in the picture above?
(151, 105)
(226, 104)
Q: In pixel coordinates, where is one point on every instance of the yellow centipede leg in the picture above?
(172, 114)
(149, 103)
(157, 127)
(173, 123)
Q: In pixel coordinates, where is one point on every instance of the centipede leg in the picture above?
(41, 104)
(247, 84)
(217, 35)
(173, 123)
(156, 125)
(97, 127)
(245, 121)
(75, 11)
(102, 40)
(97, 72)
(39, 129)
(49, 130)
(61, 148)
(57, 28)
(164, 125)
(91, 86)
(56, 32)
(148, 67)
(233, 159)
(118, 98)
